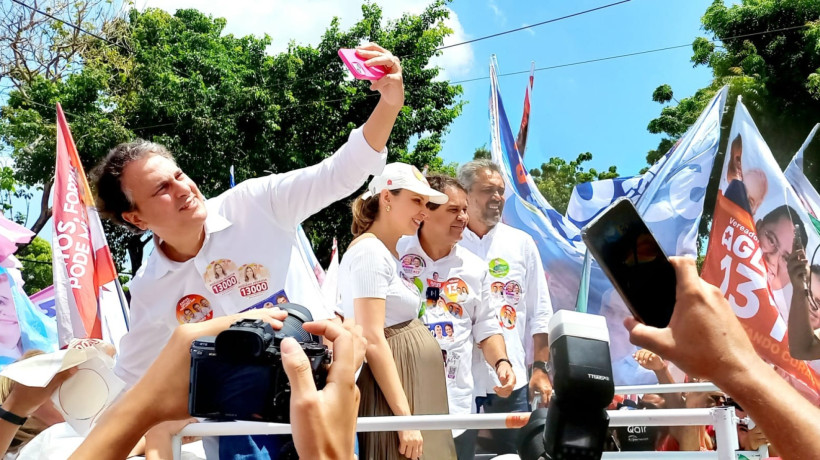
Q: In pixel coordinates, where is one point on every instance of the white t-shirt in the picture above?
(369, 270)
(459, 319)
(250, 257)
(519, 297)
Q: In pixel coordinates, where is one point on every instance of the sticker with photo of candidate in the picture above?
(455, 309)
(497, 290)
(442, 331)
(253, 280)
(193, 308)
(512, 292)
(506, 317)
(221, 276)
(435, 281)
(455, 289)
(412, 265)
(270, 302)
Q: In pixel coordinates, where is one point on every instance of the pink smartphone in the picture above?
(357, 67)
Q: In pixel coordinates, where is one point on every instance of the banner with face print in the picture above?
(759, 221)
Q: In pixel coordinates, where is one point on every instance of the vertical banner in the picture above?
(670, 194)
(523, 131)
(757, 217)
(800, 183)
(88, 299)
(330, 287)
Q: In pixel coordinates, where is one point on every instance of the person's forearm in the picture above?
(118, 431)
(803, 342)
(789, 420)
(7, 432)
(377, 129)
(494, 349)
(541, 343)
(381, 363)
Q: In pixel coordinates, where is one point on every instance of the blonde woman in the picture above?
(404, 370)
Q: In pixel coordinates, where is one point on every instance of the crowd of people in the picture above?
(444, 309)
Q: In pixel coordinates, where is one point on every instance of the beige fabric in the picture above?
(421, 371)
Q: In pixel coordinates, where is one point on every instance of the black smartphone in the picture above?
(634, 261)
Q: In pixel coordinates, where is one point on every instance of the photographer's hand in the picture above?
(162, 393)
(324, 422)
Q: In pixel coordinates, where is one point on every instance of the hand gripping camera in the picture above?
(238, 375)
(576, 423)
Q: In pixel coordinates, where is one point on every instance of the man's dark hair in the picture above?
(112, 200)
(439, 183)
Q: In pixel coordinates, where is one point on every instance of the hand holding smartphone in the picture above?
(358, 68)
(633, 260)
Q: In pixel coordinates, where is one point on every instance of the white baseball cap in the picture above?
(403, 176)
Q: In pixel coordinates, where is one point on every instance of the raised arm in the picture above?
(803, 340)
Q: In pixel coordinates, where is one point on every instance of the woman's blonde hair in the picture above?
(365, 213)
(33, 426)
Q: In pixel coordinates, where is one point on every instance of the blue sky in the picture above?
(601, 107)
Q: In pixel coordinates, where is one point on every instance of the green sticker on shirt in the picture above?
(499, 268)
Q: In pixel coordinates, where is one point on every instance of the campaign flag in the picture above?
(582, 303)
(800, 183)
(44, 300)
(523, 131)
(330, 287)
(232, 178)
(23, 326)
(756, 216)
(309, 257)
(589, 199)
(12, 233)
(684, 168)
(87, 293)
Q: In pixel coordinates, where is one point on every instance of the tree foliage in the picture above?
(217, 100)
(557, 178)
(36, 260)
(776, 73)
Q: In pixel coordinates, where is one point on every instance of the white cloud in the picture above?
(528, 29)
(499, 14)
(305, 21)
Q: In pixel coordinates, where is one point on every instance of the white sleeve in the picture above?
(539, 305)
(484, 322)
(140, 346)
(296, 195)
(370, 270)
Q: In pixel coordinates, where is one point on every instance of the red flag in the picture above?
(521, 140)
(83, 267)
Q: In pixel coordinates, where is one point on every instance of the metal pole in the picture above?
(725, 432)
(176, 446)
(665, 388)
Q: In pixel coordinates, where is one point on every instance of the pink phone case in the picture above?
(357, 67)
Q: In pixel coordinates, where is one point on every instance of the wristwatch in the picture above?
(12, 417)
(543, 366)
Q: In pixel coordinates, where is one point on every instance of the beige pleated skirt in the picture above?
(421, 371)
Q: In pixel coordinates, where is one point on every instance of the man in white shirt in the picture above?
(522, 302)
(457, 308)
(238, 251)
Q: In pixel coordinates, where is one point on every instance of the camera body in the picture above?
(576, 423)
(238, 375)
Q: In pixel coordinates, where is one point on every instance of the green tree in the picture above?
(36, 260)
(557, 178)
(482, 153)
(217, 100)
(777, 73)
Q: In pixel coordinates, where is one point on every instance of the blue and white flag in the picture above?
(232, 178)
(669, 196)
(800, 183)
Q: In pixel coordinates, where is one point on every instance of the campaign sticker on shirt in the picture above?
(270, 302)
(512, 292)
(193, 308)
(506, 317)
(220, 276)
(497, 290)
(499, 268)
(455, 289)
(253, 280)
(455, 309)
(443, 331)
(451, 364)
(412, 265)
(435, 281)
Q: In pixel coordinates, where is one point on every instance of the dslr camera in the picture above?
(238, 375)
